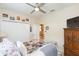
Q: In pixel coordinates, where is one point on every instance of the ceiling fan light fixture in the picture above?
(36, 9)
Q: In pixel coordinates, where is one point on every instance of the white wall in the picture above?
(16, 31)
(57, 21)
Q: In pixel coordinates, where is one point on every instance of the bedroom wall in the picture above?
(57, 21)
(17, 31)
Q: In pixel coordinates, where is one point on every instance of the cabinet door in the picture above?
(76, 41)
(69, 53)
(68, 38)
(68, 41)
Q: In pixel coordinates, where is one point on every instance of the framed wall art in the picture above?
(27, 19)
(12, 18)
(5, 15)
(30, 28)
(18, 17)
(47, 27)
(23, 20)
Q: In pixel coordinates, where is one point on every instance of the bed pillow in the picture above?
(21, 48)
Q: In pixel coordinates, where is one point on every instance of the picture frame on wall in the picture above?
(5, 15)
(23, 20)
(12, 18)
(18, 17)
(47, 27)
(27, 19)
(30, 28)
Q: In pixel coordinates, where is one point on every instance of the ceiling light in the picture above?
(36, 9)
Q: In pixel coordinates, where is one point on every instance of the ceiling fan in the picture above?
(37, 7)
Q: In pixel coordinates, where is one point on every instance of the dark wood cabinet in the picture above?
(71, 39)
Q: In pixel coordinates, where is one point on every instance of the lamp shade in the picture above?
(36, 9)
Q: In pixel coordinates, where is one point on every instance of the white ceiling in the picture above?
(26, 9)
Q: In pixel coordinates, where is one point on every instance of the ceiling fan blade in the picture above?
(52, 10)
(32, 11)
(30, 5)
(42, 10)
(41, 4)
(37, 4)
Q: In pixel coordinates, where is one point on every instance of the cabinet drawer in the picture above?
(68, 52)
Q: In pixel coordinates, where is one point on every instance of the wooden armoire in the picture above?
(71, 41)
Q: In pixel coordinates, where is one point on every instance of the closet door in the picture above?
(35, 31)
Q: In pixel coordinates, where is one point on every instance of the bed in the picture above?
(34, 49)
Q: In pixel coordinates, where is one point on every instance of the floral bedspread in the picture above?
(8, 49)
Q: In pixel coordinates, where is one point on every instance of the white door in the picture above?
(35, 31)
